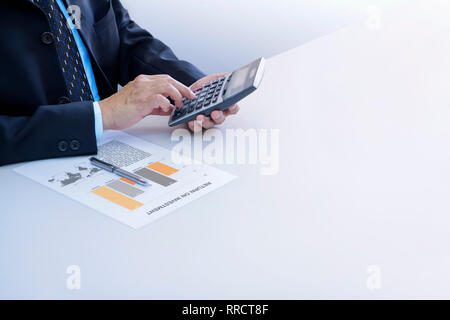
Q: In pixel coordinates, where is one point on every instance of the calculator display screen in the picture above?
(242, 79)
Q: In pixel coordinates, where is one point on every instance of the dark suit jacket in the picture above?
(36, 120)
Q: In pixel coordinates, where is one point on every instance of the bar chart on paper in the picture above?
(123, 191)
(170, 185)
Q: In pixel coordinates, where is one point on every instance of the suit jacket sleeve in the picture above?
(141, 53)
(43, 134)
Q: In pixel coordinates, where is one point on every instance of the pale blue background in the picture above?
(219, 36)
(37, 242)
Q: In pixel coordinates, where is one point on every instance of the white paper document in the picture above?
(170, 185)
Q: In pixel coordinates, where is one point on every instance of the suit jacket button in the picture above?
(62, 146)
(47, 38)
(63, 100)
(75, 145)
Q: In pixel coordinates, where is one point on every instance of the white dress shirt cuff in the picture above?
(98, 120)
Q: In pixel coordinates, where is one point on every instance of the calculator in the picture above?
(221, 93)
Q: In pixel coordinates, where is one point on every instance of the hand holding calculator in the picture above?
(221, 93)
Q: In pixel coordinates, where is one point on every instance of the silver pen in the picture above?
(120, 172)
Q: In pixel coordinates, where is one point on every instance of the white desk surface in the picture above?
(364, 119)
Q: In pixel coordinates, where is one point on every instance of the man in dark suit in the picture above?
(59, 77)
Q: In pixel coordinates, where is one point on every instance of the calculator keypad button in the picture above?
(205, 96)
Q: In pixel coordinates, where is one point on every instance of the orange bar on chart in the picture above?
(128, 181)
(117, 198)
(162, 168)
